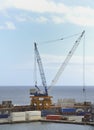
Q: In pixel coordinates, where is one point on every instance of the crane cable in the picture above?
(45, 42)
(84, 86)
(60, 39)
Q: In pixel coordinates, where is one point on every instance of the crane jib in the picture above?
(66, 61)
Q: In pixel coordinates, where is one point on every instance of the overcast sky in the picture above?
(23, 22)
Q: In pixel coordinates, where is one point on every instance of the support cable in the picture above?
(35, 71)
(84, 85)
(60, 39)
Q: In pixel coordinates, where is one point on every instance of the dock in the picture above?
(2, 122)
(67, 122)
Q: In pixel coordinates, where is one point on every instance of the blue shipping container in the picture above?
(4, 115)
(48, 112)
(68, 110)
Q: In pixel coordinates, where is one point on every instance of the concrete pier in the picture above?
(50, 121)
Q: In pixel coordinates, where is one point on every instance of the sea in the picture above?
(19, 95)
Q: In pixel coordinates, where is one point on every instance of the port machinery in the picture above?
(41, 101)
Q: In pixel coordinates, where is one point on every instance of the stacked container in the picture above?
(33, 115)
(17, 116)
(4, 118)
(25, 116)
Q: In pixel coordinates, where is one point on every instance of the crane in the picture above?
(41, 101)
(66, 61)
(41, 70)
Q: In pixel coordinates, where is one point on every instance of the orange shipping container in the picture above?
(54, 117)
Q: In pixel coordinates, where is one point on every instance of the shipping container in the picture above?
(33, 115)
(18, 119)
(68, 111)
(54, 117)
(4, 120)
(17, 114)
(31, 118)
(48, 112)
(4, 116)
(75, 118)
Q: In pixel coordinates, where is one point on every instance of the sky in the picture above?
(23, 22)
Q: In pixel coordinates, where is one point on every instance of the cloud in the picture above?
(41, 6)
(58, 19)
(6, 4)
(75, 68)
(50, 61)
(81, 16)
(41, 19)
(23, 17)
(59, 12)
(75, 60)
(8, 26)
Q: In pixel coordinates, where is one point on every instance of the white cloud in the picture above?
(83, 16)
(74, 68)
(58, 19)
(8, 26)
(27, 18)
(21, 18)
(40, 6)
(41, 19)
(52, 59)
(6, 4)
